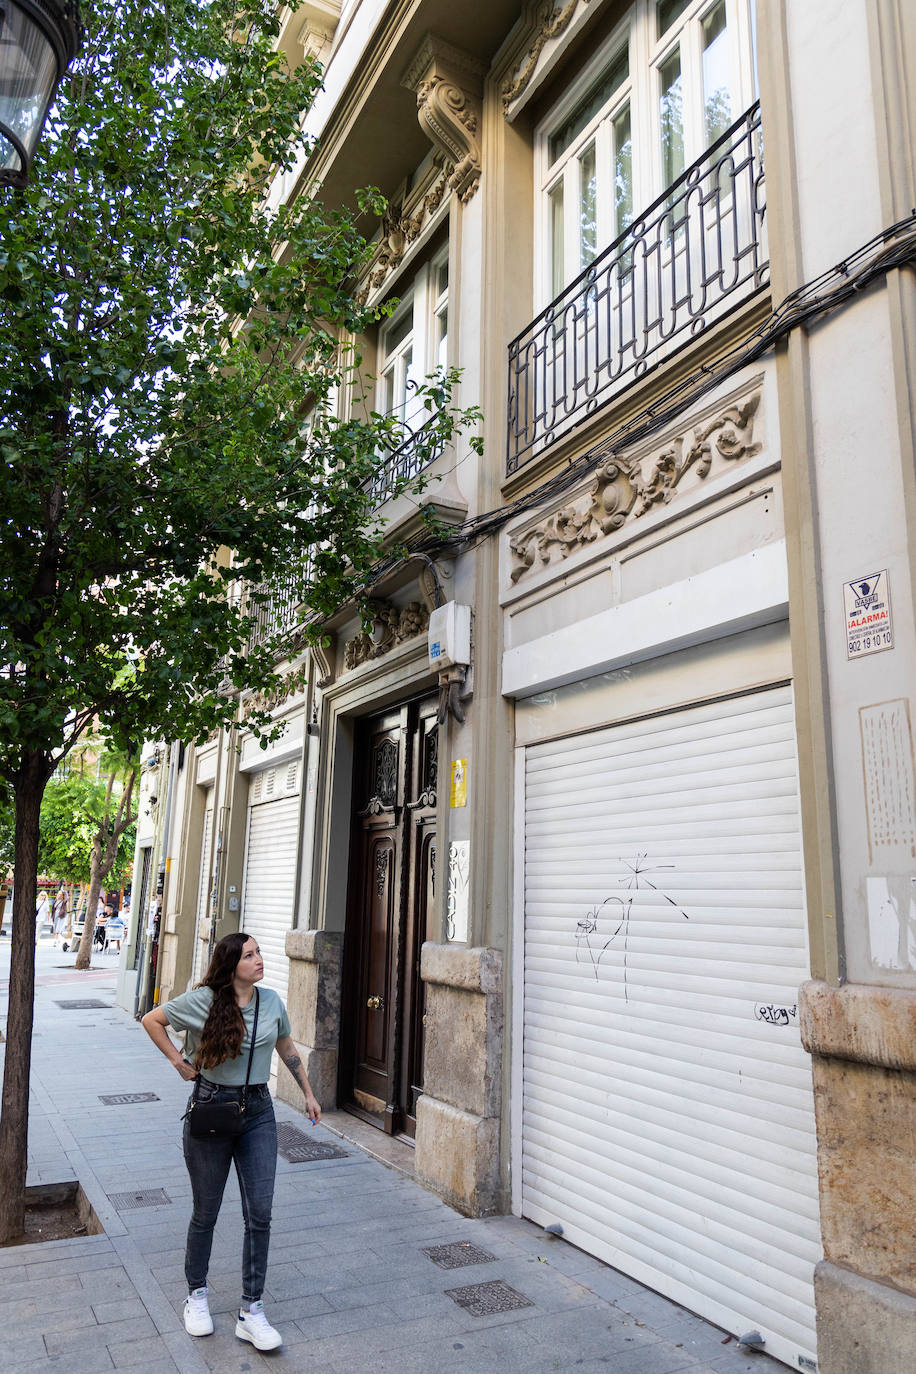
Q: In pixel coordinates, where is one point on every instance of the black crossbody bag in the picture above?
(221, 1120)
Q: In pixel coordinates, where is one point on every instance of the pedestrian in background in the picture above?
(59, 915)
(232, 1028)
(42, 912)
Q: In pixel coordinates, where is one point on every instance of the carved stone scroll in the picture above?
(552, 19)
(625, 488)
(401, 225)
(448, 84)
(392, 626)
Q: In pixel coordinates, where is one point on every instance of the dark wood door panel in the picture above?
(392, 884)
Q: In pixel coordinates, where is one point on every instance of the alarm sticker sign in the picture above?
(867, 603)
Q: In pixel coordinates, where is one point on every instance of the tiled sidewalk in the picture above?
(349, 1284)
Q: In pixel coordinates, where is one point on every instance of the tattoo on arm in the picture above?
(294, 1064)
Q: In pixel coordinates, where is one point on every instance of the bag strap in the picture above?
(254, 1033)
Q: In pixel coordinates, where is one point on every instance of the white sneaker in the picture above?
(197, 1319)
(253, 1326)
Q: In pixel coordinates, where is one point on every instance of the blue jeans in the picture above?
(254, 1153)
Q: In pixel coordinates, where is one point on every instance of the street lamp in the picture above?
(38, 40)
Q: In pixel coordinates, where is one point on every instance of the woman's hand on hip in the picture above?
(187, 1071)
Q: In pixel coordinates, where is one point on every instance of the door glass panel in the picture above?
(716, 96)
(672, 118)
(557, 273)
(623, 172)
(588, 207)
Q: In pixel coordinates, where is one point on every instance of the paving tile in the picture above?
(735, 1361)
(333, 1323)
(113, 1333)
(142, 1357)
(118, 1310)
(93, 1361)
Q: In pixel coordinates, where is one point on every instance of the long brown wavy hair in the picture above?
(224, 1029)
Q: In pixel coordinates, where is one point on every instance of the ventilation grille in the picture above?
(486, 1299)
(127, 1099)
(296, 1147)
(146, 1197)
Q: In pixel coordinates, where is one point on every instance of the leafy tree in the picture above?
(87, 832)
(164, 329)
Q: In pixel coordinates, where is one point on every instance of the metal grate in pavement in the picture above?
(85, 1005)
(457, 1255)
(296, 1148)
(146, 1197)
(126, 1099)
(486, 1299)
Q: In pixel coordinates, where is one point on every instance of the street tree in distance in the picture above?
(86, 833)
(165, 331)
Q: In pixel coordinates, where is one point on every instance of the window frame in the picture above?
(425, 306)
(648, 52)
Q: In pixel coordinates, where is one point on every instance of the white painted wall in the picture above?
(860, 493)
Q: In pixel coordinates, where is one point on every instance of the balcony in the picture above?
(695, 254)
(279, 612)
(403, 465)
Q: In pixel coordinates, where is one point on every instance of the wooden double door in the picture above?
(392, 888)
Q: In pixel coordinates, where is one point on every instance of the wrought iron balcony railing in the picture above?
(280, 611)
(694, 254)
(403, 465)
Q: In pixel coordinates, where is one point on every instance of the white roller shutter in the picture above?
(270, 869)
(198, 966)
(667, 1117)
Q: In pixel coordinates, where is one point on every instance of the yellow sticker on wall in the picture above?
(459, 792)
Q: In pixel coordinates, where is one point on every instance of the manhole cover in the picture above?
(85, 1005)
(457, 1255)
(486, 1299)
(125, 1099)
(147, 1197)
(296, 1148)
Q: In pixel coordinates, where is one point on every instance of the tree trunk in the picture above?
(29, 785)
(92, 902)
(104, 853)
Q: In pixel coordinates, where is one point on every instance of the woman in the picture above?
(218, 1016)
(59, 916)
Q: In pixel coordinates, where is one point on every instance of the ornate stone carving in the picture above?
(734, 439)
(316, 33)
(401, 226)
(392, 626)
(448, 84)
(552, 19)
(269, 698)
(625, 488)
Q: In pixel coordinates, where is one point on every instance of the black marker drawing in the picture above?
(636, 881)
(775, 1015)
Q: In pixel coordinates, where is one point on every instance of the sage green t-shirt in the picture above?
(189, 1012)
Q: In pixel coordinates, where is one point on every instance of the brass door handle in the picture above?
(375, 1003)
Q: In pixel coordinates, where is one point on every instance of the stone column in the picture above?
(457, 1145)
(314, 1012)
(865, 1098)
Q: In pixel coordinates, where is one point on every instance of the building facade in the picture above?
(617, 923)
